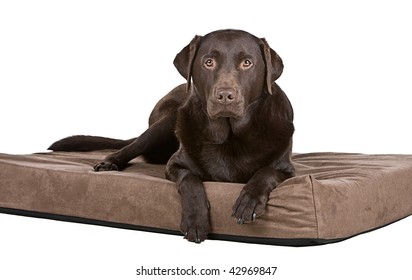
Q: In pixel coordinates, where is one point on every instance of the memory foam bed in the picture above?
(333, 197)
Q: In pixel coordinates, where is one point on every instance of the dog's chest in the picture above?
(233, 161)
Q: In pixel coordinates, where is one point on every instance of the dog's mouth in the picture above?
(216, 111)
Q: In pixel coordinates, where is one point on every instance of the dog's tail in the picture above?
(83, 143)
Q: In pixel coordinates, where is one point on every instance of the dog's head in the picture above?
(230, 69)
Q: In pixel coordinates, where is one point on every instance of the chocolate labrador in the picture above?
(229, 122)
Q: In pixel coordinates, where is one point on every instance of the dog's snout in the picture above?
(226, 96)
(226, 102)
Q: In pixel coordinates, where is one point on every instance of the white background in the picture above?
(98, 67)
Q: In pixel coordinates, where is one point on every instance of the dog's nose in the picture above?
(226, 96)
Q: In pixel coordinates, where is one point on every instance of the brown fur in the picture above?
(229, 122)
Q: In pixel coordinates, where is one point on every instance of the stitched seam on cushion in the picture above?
(314, 205)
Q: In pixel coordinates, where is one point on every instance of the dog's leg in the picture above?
(158, 138)
(255, 194)
(195, 224)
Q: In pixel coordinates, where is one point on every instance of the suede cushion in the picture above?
(333, 197)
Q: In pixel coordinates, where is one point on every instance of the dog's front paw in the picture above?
(105, 166)
(195, 229)
(249, 206)
(195, 224)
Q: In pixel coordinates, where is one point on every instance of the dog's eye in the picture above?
(246, 64)
(209, 63)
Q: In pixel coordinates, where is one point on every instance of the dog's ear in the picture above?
(184, 59)
(273, 62)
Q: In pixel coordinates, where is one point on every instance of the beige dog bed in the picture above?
(333, 197)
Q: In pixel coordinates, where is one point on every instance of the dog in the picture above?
(229, 122)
